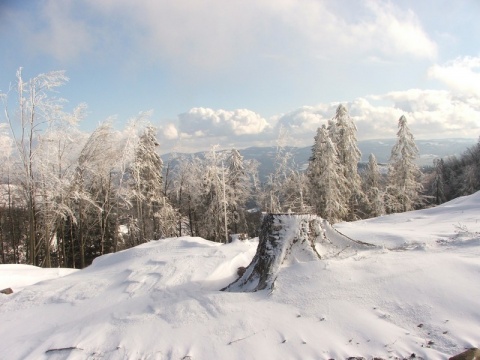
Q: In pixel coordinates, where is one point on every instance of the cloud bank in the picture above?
(453, 113)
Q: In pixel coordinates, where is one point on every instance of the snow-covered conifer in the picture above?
(404, 186)
(148, 184)
(438, 183)
(344, 135)
(328, 184)
(372, 188)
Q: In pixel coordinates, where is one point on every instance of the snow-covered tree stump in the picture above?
(283, 238)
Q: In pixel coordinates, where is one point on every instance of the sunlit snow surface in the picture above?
(416, 292)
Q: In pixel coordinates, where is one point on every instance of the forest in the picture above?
(67, 197)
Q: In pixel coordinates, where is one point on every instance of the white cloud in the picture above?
(209, 122)
(430, 113)
(375, 27)
(303, 122)
(395, 31)
(6, 142)
(434, 113)
(461, 75)
(170, 132)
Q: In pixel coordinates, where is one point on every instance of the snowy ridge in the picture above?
(161, 300)
(424, 228)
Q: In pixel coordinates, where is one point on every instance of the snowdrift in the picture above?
(415, 293)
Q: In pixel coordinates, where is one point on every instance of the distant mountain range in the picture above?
(428, 150)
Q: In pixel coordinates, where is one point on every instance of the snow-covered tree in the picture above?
(11, 227)
(35, 109)
(343, 133)
(186, 193)
(156, 217)
(327, 180)
(373, 188)
(404, 186)
(214, 220)
(295, 193)
(239, 189)
(272, 194)
(438, 183)
(91, 196)
(57, 152)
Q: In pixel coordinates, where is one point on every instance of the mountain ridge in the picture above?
(429, 150)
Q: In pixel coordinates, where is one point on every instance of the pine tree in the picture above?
(148, 184)
(372, 188)
(327, 182)
(343, 133)
(404, 186)
(438, 184)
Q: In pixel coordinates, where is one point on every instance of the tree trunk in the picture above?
(287, 238)
(282, 238)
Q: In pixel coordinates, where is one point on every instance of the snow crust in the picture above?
(416, 292)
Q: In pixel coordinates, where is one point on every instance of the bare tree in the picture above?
(35, 109)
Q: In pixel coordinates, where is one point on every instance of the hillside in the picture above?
(416, 292)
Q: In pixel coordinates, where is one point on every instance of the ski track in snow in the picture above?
(415, 292)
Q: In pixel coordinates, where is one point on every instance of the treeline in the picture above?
(68, 197)
(454, 176)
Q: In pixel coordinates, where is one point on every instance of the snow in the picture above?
(17, 277)
(415, 292)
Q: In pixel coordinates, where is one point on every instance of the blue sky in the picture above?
(232, 72)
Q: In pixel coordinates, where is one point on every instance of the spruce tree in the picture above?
(438, 184)
(343, 133)
(327, 181)
(372, 188)
(404, 186)
(154, 213)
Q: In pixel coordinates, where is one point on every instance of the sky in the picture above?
(234, 73)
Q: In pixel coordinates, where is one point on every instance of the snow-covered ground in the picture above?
(416, 293)
(17, 277)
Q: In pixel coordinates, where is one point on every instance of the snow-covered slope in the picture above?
(18, 276)
(415, 293)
